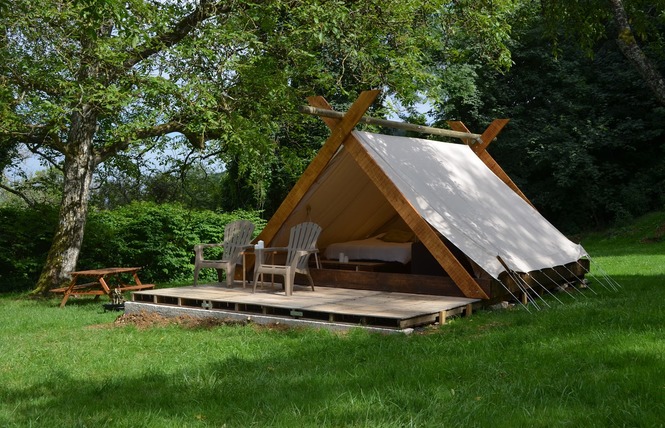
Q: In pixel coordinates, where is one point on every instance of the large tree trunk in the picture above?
(632, 51)
(80, 162)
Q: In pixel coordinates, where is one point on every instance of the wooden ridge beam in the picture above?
(328, 112)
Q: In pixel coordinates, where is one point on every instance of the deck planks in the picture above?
(363, 307)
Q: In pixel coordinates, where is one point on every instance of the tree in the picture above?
(84, 80)
(87, 81)
(637, 28)
(585, 137)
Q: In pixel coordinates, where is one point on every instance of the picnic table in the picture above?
(102, 282)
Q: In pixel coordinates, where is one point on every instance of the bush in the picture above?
(159, 238)
(25, 238)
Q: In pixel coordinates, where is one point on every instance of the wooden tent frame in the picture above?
(341, 126)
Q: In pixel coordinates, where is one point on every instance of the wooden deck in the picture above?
(328, 305)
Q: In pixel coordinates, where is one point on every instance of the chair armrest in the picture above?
(301, 253)
(242, 248)
(201, 246)
(284, 249)
(262, 252)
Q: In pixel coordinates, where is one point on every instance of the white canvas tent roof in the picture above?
(450, 188)
(361, 182)
(467, 203)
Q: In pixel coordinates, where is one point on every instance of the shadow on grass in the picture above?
(594, 361)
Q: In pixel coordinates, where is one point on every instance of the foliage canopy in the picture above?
(85, 80)
(585, 138)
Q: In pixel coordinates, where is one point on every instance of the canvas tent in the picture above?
(460, 205)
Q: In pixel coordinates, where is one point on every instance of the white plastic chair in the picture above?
(302, 244)
(237, 237)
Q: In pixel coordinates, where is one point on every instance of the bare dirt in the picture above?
(144, 320)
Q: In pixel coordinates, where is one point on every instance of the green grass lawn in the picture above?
(595, 360)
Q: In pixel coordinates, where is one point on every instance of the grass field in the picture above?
(595, 360)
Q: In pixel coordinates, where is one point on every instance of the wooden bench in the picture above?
(100, 287)
(81, 289)
(136, 287)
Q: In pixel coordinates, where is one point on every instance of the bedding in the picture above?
(373, 248)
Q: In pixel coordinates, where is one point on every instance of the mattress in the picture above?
(371, 249)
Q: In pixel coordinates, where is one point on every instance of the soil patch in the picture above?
(144, 320)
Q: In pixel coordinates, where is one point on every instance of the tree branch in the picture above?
(196, 140)
(142, 134)
(632, 51)
(38, 135)
(46, 157)
(17, 193)
(206, 9)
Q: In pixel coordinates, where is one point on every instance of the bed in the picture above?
(374, 248)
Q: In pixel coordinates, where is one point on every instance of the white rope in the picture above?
(511, 293)
(568, 282)
(595, 278)
(534, 291)
(580, 280)
(545, 288)
(611, 282)
(563, 288)
(518, 281)
(605, 282)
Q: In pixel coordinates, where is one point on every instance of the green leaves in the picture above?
(160, 238)
(583, 141)
(237, 75)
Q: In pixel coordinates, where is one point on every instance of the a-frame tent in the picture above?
(460, 205)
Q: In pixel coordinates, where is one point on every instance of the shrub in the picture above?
(159, 238)
(25, 238)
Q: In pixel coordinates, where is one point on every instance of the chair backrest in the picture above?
(237, 234)
(303, 237)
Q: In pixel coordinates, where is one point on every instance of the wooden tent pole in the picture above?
(466, 283)
(481, 151)
(321, 103)
(486, 138)
(340, 132)
(332, 114)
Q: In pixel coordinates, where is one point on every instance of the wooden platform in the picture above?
(327, 304)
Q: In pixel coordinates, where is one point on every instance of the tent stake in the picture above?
(615, 286)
